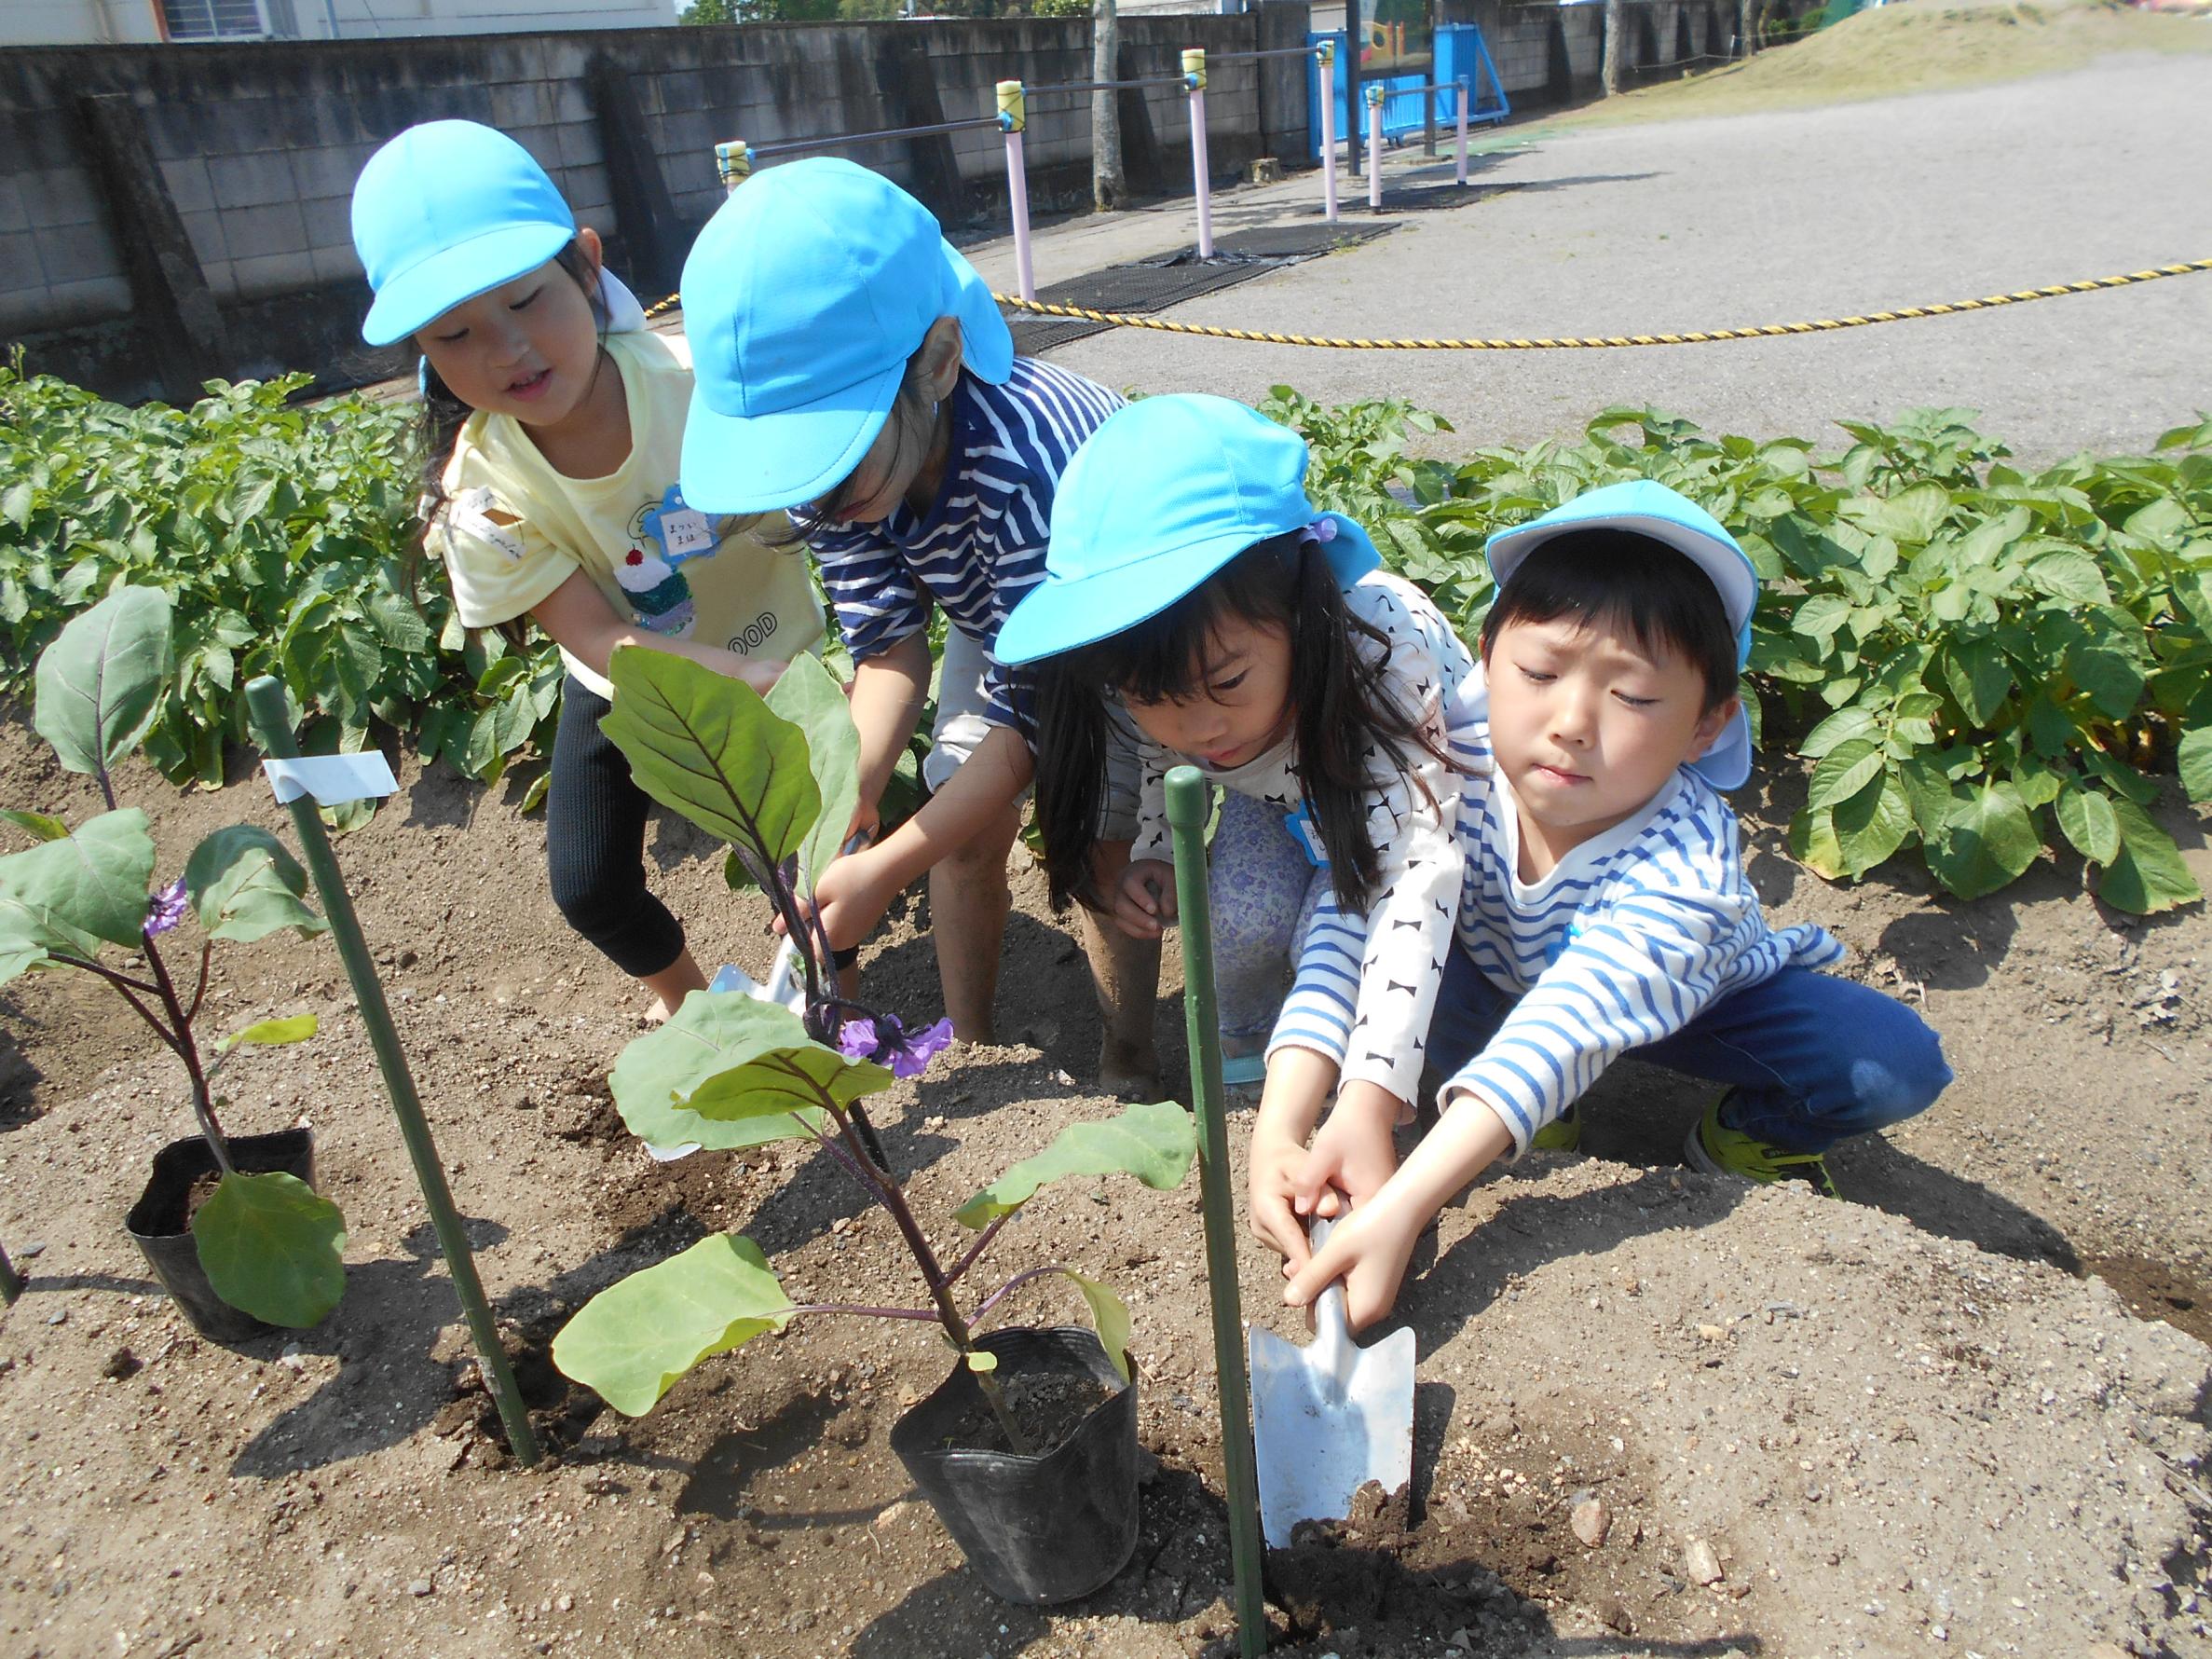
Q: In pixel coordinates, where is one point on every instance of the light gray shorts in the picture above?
(962, 708)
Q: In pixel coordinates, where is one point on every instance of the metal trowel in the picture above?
(1329, 1417)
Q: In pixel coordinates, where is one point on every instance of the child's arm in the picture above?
(888, 690)
(1369, 1249)
(855, 890)
(579, 619)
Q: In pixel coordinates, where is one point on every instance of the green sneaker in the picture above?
(1564, 1133)
(1715, 1148)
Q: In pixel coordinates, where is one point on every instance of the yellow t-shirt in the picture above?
(515, 530)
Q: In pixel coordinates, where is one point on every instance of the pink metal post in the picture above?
(1329, 130)
(1374, 149)
(1013, 116)
(1459, 173)
(1193, 74)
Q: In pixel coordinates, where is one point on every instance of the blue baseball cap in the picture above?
(1161, 495)
(804, 298)
(1644, 508)
(445, 211)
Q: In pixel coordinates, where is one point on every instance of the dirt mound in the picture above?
(1910, 48)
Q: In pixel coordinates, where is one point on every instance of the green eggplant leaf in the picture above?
(706, 746)
(725, 1060)
(89, 885)
(244, 887)
(631, 1342)
(1988, 842)
(1155, 1142)
(2149, 875)
(809, 696)
(274, 1247)
(1110, 1317)
(36, 825)
(270, 1033)
(100, 683)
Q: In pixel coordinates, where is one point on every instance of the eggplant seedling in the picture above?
(270, 1245)
(778, 780)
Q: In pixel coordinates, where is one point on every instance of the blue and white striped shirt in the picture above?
(1628, 940)
(980, 547)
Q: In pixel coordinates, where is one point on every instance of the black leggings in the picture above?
(594, 843)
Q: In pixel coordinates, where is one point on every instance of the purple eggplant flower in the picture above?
(888, 1043)
(856, 1039)
(910, 1055)
(166, 909)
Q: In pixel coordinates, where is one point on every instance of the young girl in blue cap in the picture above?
(853, 369)
(1604, 910)
(1195, 600)
(555, 422)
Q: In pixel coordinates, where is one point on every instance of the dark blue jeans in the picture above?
(1811, 1058)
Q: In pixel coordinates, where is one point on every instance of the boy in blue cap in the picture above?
(1605, 909)
(853, 369)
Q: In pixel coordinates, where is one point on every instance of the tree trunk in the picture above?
(1747, 24)
(1110, 187)
(1609, 70)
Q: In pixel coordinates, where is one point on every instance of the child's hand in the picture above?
(1369, 1250)
(1352, 1156)
(1270, 1182)
(851, 897)
(1145, 900)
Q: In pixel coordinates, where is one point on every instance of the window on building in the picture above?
(229, 20)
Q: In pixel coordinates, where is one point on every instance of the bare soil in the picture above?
(1966, 1413)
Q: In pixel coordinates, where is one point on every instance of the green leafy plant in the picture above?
(1980, 661)
(777, 778)
(271, 1244)
(279, 532)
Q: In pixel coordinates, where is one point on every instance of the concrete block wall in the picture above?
(257, 146)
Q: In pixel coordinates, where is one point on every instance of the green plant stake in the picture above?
(272, 725)
(1186, 814)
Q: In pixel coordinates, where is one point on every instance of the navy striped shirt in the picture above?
(980, 547)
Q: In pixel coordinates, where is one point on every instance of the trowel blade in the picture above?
(1318, 1436)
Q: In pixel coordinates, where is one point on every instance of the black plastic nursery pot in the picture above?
(158, 1221)
(1036, 1530)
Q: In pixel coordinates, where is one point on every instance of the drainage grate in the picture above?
(1170, 279)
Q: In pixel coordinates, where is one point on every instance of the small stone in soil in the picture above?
(1700, 1561)
(59, 1316)
(420, 1587)
(1591, 1521)
(122, 1364)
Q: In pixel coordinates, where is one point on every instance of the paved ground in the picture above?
(1747, 219)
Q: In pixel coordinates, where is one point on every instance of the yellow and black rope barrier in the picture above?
(1589, 342)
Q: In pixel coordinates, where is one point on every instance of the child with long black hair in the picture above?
(1194, 603)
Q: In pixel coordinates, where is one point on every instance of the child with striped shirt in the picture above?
(1604, 910)
(852, 368)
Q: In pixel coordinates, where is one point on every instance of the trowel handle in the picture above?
(779, 976)
(1333, 1323)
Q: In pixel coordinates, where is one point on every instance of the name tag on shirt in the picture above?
(1307, 834)
(683, 532)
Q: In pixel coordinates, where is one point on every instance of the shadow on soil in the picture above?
(389, 1383)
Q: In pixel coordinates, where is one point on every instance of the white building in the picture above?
(94, 22)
